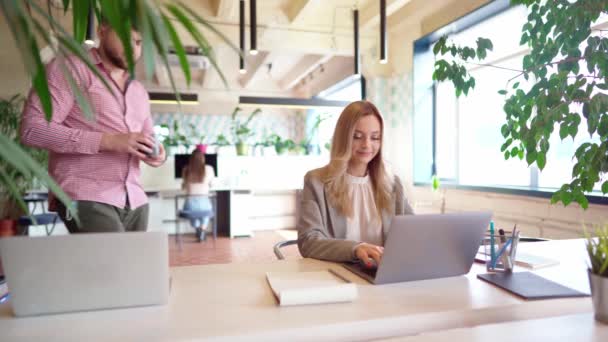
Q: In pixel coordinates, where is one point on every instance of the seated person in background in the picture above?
(347, 205)
(197, 178)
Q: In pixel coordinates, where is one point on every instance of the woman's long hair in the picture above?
(334, 173)
(194, 172)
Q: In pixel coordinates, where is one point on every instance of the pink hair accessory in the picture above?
(201, 147)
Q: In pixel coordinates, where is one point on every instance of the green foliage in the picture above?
(241, 130)
(597, 249)
(569, 84)
(32, 27)
(282, 145)
(221, 140)
(435, 183)
(177, 137)
(14, 182)
(306, 144)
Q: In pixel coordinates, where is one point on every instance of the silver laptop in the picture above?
(428, 246)
(66, 273)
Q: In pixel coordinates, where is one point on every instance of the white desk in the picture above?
(579, 327)
(234, 301)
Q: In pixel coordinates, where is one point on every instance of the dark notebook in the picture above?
(529, 285)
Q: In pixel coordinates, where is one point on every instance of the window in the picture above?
(465, 132)
(345, 90)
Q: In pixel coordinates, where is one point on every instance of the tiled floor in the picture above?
(258, 248)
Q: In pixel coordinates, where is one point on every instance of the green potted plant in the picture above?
(221, 143)
(597, 249)
(241, 131)
(14, 183)
(265, 146)
(307, 145)
(282, 146)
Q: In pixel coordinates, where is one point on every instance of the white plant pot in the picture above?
(226, 150)
(269, 151)
(599, 296)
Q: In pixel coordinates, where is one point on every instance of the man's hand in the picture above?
(137, 144)
(159, 159)
(366, 251)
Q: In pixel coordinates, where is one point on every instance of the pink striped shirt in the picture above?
(73, 141)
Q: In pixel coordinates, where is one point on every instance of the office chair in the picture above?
(279, 245)
(44, 218)
(195, 214)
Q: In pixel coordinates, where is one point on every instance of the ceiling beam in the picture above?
(224, 9)
(370, 14)
(337, 68)
(253, 64)
(284, 39)
(294, 9)
(306, 64)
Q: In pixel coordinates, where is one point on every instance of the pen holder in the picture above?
(500, 250)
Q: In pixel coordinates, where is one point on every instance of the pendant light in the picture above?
(253, 30)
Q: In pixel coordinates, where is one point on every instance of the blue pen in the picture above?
(4, 298)
(501, 251)
(492, 251)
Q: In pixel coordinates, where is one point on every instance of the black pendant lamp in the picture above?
(242, 69)
(89, 40)
(253, 22)
(356, 53)
(383, 48)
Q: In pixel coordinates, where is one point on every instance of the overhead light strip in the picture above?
(290, 102)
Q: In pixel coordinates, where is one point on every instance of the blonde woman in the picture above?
(197, 178)
(347, 206)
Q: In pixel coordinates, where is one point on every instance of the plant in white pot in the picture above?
(597, 248)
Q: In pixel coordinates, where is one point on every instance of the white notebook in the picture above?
(298, 288)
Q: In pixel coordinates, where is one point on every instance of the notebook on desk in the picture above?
(530, 286)
(319, 287)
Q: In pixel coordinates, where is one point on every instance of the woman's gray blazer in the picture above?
(322, 230)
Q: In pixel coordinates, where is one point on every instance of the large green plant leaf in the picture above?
(18, 158)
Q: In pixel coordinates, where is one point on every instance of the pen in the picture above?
(492, 252)
(501, 232)
(515, 238)
(505, 256)
(501, 251)
(338, 275)
(4, 298)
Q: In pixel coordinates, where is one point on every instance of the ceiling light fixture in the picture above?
(289, 102)
(383, 47)
(253, 30)
(356, 30)
(90, 28)
(242, 69)
(171, 98)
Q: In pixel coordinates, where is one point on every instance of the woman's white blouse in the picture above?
(365, 225)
